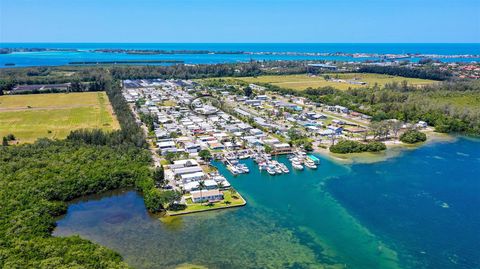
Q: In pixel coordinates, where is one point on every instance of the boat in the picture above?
(284, 168)
(243, 168)
(278, 170)
(232, 169)
(310, 165)
(297, 166)
(262, 166)
(270, 171)
(314, 159)
(243, 156)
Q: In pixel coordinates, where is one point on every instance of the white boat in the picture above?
(284, 168)
(297, 166)
(278, 170)
(233, 169)
(262, 165)
(243, 168)
(270, 171)
(310, 165)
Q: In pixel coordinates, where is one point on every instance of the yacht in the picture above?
(310, 164)
(278, 169)
(270, 170)
(284, 168)
(297, 166)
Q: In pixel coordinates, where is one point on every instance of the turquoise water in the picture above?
(418, 210)
(63, 58)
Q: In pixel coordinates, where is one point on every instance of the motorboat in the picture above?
(270, 170)
(233, 169)
(314, 159)
(310, 165)
(284, 168)
(297, 166)
(278, 169)
(243, 168)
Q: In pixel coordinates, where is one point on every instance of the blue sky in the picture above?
(370, 21)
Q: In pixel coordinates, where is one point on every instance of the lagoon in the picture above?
(416, 210)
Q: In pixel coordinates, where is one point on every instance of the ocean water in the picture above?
(52, 58)
(417, 210)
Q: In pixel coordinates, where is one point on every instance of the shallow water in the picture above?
(84, 53)
(413, 211)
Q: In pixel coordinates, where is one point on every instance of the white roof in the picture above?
(184, 162)
(193, 175)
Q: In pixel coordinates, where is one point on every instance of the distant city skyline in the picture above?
(247, 21)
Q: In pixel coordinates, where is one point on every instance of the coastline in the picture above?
(394, 149)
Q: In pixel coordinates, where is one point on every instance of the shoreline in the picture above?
(394, 149)
(169, 213)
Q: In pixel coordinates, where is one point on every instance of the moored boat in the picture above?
(270, 171)
(297, 166)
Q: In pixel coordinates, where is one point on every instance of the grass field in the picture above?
(301, 82)
(54, 115)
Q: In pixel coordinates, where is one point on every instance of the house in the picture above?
(341, 109)
(281, 148)
(327, 132)
(253, 102)
(214, 145)
(185, 178)
(257, 87)
(210, 184)
(262, 97)
(336, 130)
(256, 131)
(186, 163)
(206, 195)
(192, 147)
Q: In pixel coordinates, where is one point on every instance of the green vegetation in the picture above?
(205, 154)
(350, 146)
(36, 181)
(30, 117)
(297, 139)
(231, 199)
(408, 104)
(173, 156)
(425, 73)
(413, 136)
(302, 82)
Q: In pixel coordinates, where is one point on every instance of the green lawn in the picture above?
(228, 201)
(301, 82)
(54, 115)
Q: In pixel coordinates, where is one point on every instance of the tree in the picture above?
(201, 187)
(205, 154)
(396, 125)
(5, 141)
(10, 137)
(248, 91)
(268, 149)
(159, 176)
(413, 136)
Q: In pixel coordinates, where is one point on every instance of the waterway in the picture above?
(85, 52)
(416, 210)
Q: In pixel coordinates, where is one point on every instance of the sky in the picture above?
(241, 21)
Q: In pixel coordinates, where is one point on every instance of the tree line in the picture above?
(36, 181)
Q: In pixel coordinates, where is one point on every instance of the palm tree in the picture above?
(201, 187)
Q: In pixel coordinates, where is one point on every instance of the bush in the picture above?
(413, 136)
(349, 146)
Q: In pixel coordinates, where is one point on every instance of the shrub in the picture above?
(349, 146)
(413, 136)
